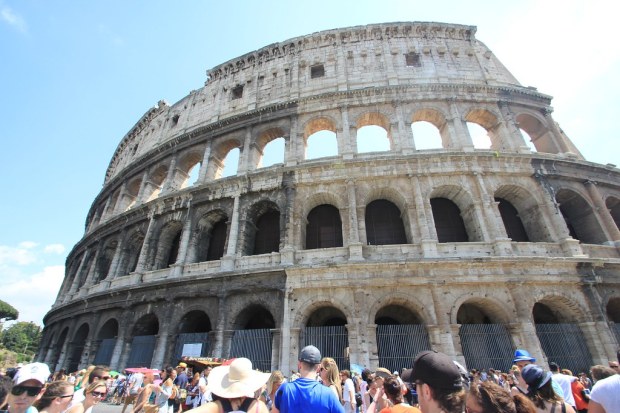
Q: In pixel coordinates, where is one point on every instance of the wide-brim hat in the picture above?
(535, 376)
(236, 380)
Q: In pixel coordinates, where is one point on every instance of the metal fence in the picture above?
(255, 345)
(398, 345)
(565, 345)
(141, 354)
(332, 341)
(486, 346)
(616, 328)
(192, 338)
(104, 352)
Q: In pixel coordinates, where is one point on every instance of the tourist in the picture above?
(163, 391)
(600, 372)
(348, 392)
(488, 397)
(605, 394)
(438, 381)
(56, 398)
(273, 384)
(565, 382)
(306, 394)
(143, 398)
(132, 388)
(374, 394)
(27, 387)
(541, 391)
(393, 389)
(6, 383)
(94, 393)
(580, 393)
(233, 387)
(330, 376)
(94, 374)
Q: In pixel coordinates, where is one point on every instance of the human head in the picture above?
(438, 382)
(614, 366)
(309, 358)
(489, 397)
(5, 388)
(275, 380)
(522, 358)
(181, 367)
(169, 371)
(329, 371)
(539, 385)
(149, 377)
(27, 387)
(554, 368)
(345, 374)
(600, 372)
(57, 394)
(98, 373)
(393, 389)
(96, 391)
(236, 380)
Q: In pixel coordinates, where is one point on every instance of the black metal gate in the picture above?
(486, 346)
(75, 355)
(255, 345)
(398, 344)
(104, 352)
(616, 328)
(332, 341)
(142, 348)
(192, 338)
(565, 345)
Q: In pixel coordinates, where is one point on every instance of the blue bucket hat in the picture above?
(535, 376)
(523, 355)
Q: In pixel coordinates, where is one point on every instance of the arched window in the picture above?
(372, 138)
(514, 227)
(426, 136)
(231, 163)
(217, 241)
(321, 144)
(324, 228)
(384, 224)
(267, 238)
(448, 221)
(273, 153)
(479, 136)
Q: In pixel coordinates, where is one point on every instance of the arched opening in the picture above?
(426, 136)
(321, 144)
(104, 261)
(193, 337)
(400, 336)
(192, 176)
(529, 141)
(512, 222)
(144, 337)
(449, 223)
(324, 227)
(58, 349)
(485, 341)
(372, 138)
(252, 336)
(613, 205)
(273, 153)
(580, 218)
(155, 182)
(560, 337)
(326, 329)
(479, 136)
(384, 224)
(107, 341)
(230, 164)
(131, 254)
(131, 193)
(168, 247)
(210, 242)
(613, 315)
(528, 213)
(76, 348)
(266, 232)
(539, 135)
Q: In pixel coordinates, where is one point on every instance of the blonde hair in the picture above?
(276, 378)
(92, 386)
(333, 375)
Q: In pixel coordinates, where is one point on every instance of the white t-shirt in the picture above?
(565, 383)
(349, 388)
(606, 392)
(135, 382)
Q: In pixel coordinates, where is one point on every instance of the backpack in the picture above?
(227, 407)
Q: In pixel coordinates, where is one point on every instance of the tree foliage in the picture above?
(7, 311)
(22, 337)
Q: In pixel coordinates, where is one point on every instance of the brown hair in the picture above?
(600, 372)
(92, 386)
(493, 398)
(449, 400)
(393, 389)
(52, 390)
(543, 394)
(333, 376)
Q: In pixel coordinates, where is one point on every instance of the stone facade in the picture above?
(443, 238)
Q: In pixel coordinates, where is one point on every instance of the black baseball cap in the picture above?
(435, 369)
(310, 355)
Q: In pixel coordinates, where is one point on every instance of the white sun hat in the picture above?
(236, 380)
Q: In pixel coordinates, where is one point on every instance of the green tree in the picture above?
(7, 312)
(22, 337)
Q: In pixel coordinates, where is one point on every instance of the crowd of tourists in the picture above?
(434, 384)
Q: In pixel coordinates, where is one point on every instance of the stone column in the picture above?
(105, 210)
(347, 146)
(113, 271)
(355, 246)
(168, 184)
(227, 261)
(290, 149)
(93, 268)
(557, 134)
(204, 165)
(599, 341)
(184, 242)
(372, 357)
(143, 185)
(293, 350)
(160, 347)
(78, 274)
(516, 141)
(218, 344)
(245, 155)
(276, 343)
(144, 251)
(286, 340)
(405, 134)
(458, 132)
(120, 353)
(287, 253)
(609, 225)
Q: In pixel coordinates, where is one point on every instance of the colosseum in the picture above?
(364, 234)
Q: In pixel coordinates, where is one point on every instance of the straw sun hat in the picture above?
(236, 380)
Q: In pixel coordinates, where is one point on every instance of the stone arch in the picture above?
(168, 244)
(193, 331)
(613, 205)
(263, 228)
(541, 136)
(579, 216)
(104, 260)
(61, 347)
(450, 222)
(488, 120)
(324, 128)
(185, 165)
(322, 197)
(437, 118)
(470, 309)
(109, 329)
(262, 142)
(106, 342)
(555, 309)
(612, 310)
(254, 316)
(76, 347)
(384, 224)
(529, 211)
(130, 252)
(132, 190)
(323, 228)
(146, 325)
(422, 310)
(219, 155)
(210, 236)
(376, 119)
(194, 321)
(143, 338)
(155, 182)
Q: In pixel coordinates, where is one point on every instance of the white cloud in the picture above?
(27, 244)
(54, 249)
(33, 295)
(8, 16)
(20, 256)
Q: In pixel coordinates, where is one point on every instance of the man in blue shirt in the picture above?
(306, 394)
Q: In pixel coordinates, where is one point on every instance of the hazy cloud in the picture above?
(54, 249)
(20, 256)
(13, 19)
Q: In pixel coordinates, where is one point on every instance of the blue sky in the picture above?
(75, 76)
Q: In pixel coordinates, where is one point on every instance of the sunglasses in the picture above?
(99, 394)
(31, 391)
